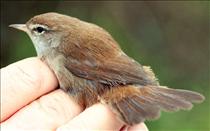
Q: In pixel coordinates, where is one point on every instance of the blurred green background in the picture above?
(172, 37)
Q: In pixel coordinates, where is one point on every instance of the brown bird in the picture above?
(91, 67)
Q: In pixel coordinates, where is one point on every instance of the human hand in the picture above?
(30, 101)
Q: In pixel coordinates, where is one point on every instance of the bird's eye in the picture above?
(39, 29)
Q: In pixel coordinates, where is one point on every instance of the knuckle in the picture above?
(30, 79)
(54, 105)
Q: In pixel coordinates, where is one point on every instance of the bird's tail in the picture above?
(136, 104)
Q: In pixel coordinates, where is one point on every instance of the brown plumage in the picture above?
(91, 67)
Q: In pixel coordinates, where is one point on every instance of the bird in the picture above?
(91, 67)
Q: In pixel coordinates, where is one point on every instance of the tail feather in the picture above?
(167, 101)
(150, 111)
(134, 109)
(136, 104)
(190, 96)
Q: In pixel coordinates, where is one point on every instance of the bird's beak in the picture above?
(19, 27)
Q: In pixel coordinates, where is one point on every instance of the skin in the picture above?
(33, 102)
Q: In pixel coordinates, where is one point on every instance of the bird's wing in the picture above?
(102, 60)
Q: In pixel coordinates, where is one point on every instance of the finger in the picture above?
(139, 127)
(23, 82)
(97, 117)
(47, 113)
